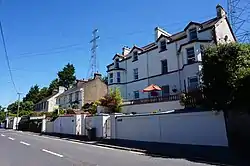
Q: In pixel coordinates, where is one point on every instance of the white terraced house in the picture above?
(172, 62)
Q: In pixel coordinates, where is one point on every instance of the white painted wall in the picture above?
(197, 128)
(151, 107)
(97, 122)
(49, 127)
(65, 125)
(222, 29)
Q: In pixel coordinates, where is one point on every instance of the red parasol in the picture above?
(152, 88)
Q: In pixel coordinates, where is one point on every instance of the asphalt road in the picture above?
(27, 149)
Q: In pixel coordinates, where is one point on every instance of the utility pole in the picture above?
(18, 107)
(93, 60)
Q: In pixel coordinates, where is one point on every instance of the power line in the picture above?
(47, 53)
(7, 58)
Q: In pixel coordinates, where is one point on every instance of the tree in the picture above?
(53, 85)
(27, 106)
(33, 94)
(226, 75)
(43, 93)
(67, 76)
(2, 114)
(112, 100)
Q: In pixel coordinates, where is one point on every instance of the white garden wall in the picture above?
(49, 127)
(197, 128)
(97, 122)
(65, 125)
(151, 107)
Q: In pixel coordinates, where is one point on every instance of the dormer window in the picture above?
(192, 34)
(117, 63)
(135, 56)
(163, 45)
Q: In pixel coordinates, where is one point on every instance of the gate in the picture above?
(107, 128)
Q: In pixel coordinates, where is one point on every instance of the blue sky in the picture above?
(35, 29)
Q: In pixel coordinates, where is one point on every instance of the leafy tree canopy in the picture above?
(67, 76)
(226, 76)
(33, 94)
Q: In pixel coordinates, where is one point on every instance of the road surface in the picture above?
(27, 149)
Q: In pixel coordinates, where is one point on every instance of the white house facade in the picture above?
(49, 104)
(85, 91)
(172, 62)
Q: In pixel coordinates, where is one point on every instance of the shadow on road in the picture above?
(200, 154)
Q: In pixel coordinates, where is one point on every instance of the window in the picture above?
(76, 96)
(190, 55)
(117, 63)
(135, 56)
(70, 97)
(193, 34)
(202, 48)
(164, 66)
(44, 105)
(165, 90)
(136, 74)
(118, 77)
(163, 45)
(136, 94)
(193, 83)
(111, 78)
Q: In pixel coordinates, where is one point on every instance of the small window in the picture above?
(190, 55)
(163, 46)
(165, 90)
(193, 34)
(117, 63)
(135, 56)
(77, 96)
(202, 48)
(111, 78)
(118, 77)
(136, 94)
(164, 66)
(193, 83)
(70, 97)
(136, 74)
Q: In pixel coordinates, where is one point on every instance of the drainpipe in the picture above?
(126, 73)
(178, 63)
(147, 72)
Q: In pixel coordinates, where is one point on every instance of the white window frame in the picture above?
(163, 68)
(136, 94)
(189, 82)
(164, 94)
(135, 56)
(163, 47)
(193, 31)
(190, 56)
(118, 77)
(111, 79)
(136, 74)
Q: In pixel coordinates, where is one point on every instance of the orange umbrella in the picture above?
(152, 88)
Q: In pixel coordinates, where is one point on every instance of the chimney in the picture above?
(220, 11)
(61, 89)
(125, 50)
(159, 31)
(97, 75)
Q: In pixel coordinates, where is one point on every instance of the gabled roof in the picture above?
(47, 98)
(204, 26)
(162, 36)
(135, 47)
(118, 55)
(191, 23)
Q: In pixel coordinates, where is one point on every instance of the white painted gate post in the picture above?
(44, 124)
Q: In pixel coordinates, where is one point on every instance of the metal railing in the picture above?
(153, 100)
